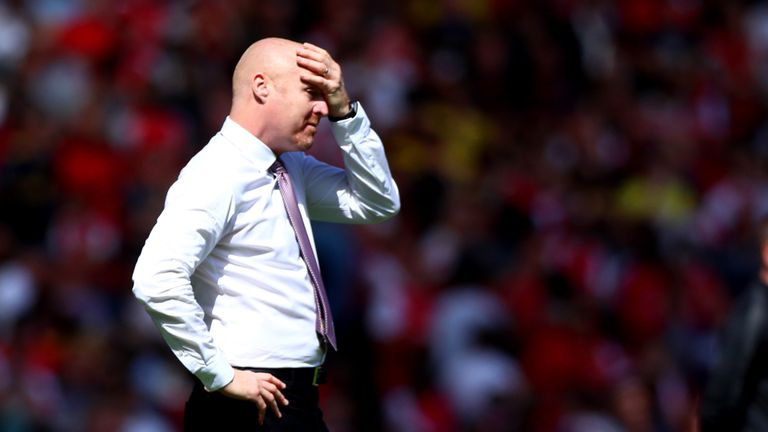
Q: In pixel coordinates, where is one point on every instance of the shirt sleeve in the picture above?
(364, 191)
(192, 222)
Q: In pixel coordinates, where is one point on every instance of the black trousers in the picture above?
(212, 411)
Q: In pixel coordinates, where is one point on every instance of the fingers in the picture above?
(318, 74)
(324, 71)
(263, 389)
(318, 61)
(274, 388)
(315, 48)
(309, 51)
(272, 399)
(315, 53)
(262, 407)
(325, 75)
(271, 379)
(269, 396)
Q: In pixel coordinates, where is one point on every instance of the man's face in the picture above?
(297, 110)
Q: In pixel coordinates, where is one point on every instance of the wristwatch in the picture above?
(351, 113)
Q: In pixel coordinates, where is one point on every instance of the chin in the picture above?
(305, 144)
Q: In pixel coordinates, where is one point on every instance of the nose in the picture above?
(320, 108)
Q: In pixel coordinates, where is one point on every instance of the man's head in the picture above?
(270, 100)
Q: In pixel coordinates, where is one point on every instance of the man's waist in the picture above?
(259, 342)
(299, 376)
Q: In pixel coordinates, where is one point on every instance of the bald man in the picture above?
(225, 274)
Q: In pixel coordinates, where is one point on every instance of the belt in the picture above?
(309, 375)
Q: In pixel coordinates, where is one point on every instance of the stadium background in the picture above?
(580, 182)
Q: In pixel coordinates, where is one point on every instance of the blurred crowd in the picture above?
(580, 179)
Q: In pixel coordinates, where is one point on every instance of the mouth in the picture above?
(311, 124)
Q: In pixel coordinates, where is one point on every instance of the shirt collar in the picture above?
(251, 147)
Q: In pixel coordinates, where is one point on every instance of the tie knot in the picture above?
(277, 167)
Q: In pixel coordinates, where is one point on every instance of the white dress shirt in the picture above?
(220, 273)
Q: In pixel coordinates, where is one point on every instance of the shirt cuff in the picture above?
(216, 375)
(353, 129)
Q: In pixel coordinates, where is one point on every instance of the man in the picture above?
(227, 273)
(736, 396)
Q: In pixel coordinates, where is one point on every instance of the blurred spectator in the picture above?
(735, 392)
(583, 174)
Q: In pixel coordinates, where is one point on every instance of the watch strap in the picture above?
(351, 113)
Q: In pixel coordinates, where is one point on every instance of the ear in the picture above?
(260, 87)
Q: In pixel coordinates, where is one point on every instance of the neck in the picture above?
(250, 121)
(242, 118)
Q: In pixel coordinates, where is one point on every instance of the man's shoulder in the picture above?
(294, 157)
(213, 159)
(216, 148)
(209, 169)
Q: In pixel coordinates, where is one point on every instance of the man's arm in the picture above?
(186, 231)
(193, 221)
(364, 191)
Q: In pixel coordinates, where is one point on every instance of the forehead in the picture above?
(284, 69)
(289, 78)
(280, 55)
